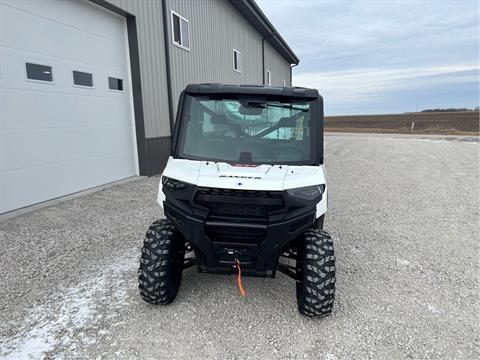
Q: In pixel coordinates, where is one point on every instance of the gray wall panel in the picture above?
(216, 28)
(279, 67)
(160, 146)
(152, 63)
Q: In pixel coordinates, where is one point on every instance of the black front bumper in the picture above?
(224, 225)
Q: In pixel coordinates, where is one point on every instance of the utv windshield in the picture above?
(246, 131)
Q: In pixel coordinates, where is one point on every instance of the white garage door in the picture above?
(66, 120)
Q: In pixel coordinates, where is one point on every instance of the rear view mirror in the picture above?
(250, 110)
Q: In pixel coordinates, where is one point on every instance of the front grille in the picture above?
(239, 203)
(230, 210)
(235, 235)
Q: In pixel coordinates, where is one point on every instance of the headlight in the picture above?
(307, 193)
(173, 184)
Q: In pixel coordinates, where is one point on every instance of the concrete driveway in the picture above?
(404, 213)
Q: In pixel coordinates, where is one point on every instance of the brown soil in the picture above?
(454, 123)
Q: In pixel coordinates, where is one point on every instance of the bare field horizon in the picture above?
(441, 123)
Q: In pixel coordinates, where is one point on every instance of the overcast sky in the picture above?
(372, 57)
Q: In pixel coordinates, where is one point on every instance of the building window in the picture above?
(180, 31)
(82, 79)
(268, 78)
(237, 61)
(39, 72)
(115, 84)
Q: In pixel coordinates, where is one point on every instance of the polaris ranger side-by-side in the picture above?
(244, 190)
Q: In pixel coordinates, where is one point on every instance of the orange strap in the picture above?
(239, 279)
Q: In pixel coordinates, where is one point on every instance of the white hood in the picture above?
(261, 177)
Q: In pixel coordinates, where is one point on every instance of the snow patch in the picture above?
(68, 320)
(34, 345)
(403, 261)
(434, 310)
(330, 357)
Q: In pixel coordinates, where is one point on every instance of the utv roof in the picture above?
(207, 89)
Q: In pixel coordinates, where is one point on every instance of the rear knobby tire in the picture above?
(315, 273)
(161, 263)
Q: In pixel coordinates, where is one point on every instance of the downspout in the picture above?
(263, 61)
(167, 65)
(291, 75)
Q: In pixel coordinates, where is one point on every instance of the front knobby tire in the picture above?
(315, 273)
(161, 263)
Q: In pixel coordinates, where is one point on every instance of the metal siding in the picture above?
(279, 67)
(152, 63)
(216, 28)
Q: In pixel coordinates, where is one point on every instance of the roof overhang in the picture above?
(250, 10)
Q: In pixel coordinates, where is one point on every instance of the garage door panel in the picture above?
(3, 151)
(46, 37)
(73, 13)
(12, 65)
(62, 110)
(33, 185)
(3, 190)
(34, 147)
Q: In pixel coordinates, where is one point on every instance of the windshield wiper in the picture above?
(288, 107)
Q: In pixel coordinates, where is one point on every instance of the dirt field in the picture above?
(452, 123)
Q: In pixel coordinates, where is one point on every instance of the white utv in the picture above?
(244, 189)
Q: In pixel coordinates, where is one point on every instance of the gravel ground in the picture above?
(404, 214)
